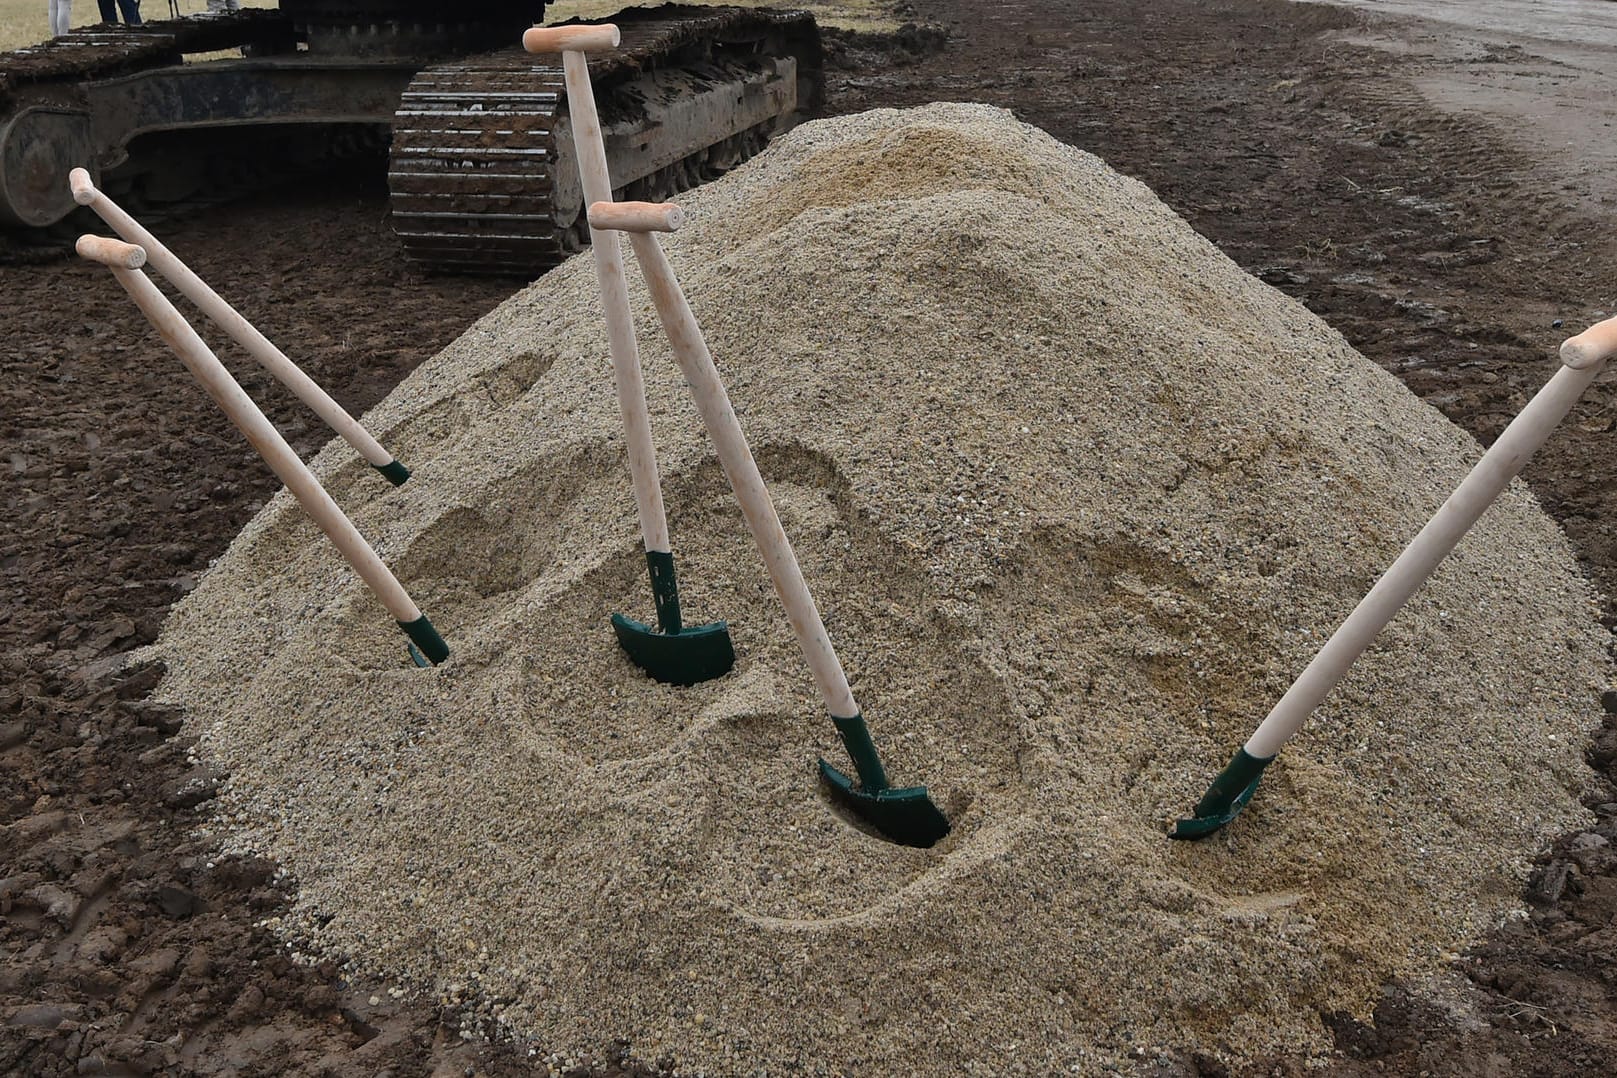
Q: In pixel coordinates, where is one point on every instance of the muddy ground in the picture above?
(1428, 239)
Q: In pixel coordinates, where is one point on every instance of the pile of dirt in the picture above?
(1078, 497)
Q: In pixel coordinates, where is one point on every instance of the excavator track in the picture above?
(481, 160)
(481, 170)
(473, 167)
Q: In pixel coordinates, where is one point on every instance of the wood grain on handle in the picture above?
(1593, 345)
(735, 457)
(287, 465)
(637, 216)
(111, 252)
(607, 255)
(230, 320)
(551, 39)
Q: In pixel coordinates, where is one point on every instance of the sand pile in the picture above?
(1078, 498)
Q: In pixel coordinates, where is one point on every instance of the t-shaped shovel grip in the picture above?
(1594, 345)
(603, 37)
(111, 252)
(637, 216)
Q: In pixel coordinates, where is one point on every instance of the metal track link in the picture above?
(473, 162)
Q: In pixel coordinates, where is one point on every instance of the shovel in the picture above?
(676, 655)
(125, 260)
(1583, 358)
(242, 331)
(905, 815)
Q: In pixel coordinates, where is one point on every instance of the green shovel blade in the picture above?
(688, 657)
(394, 472)
(907, 816)
(427, 648)
(1226, 796)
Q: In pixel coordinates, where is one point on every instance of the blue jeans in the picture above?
(130, 8)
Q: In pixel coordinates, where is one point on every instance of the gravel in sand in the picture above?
(1078, 498)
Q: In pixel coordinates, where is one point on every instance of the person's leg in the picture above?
(61, 12)
(131, 10)
(109, 10)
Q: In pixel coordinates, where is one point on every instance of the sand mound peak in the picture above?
(1077, 496)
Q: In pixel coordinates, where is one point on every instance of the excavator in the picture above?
(480, 173)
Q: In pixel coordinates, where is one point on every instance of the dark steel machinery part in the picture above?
(119, 102)
(481, 171)
(80, 99)
(38, 146)
(473, 170)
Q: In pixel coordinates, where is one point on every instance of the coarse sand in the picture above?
(1077, 496)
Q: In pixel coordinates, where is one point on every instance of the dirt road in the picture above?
(1539, 70)
(1438, 243)
(1567, 22)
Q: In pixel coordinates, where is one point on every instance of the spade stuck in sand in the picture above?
(125, 260)
(1583, 358)
(673, 652)
(905, 815)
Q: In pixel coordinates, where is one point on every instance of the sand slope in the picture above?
(1078, 497)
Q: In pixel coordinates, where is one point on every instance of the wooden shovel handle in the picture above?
(248, 418)
(111, 252)
(552, 39)
(607, 254)
(637, 216)
(1594, 345)
(226, 317)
